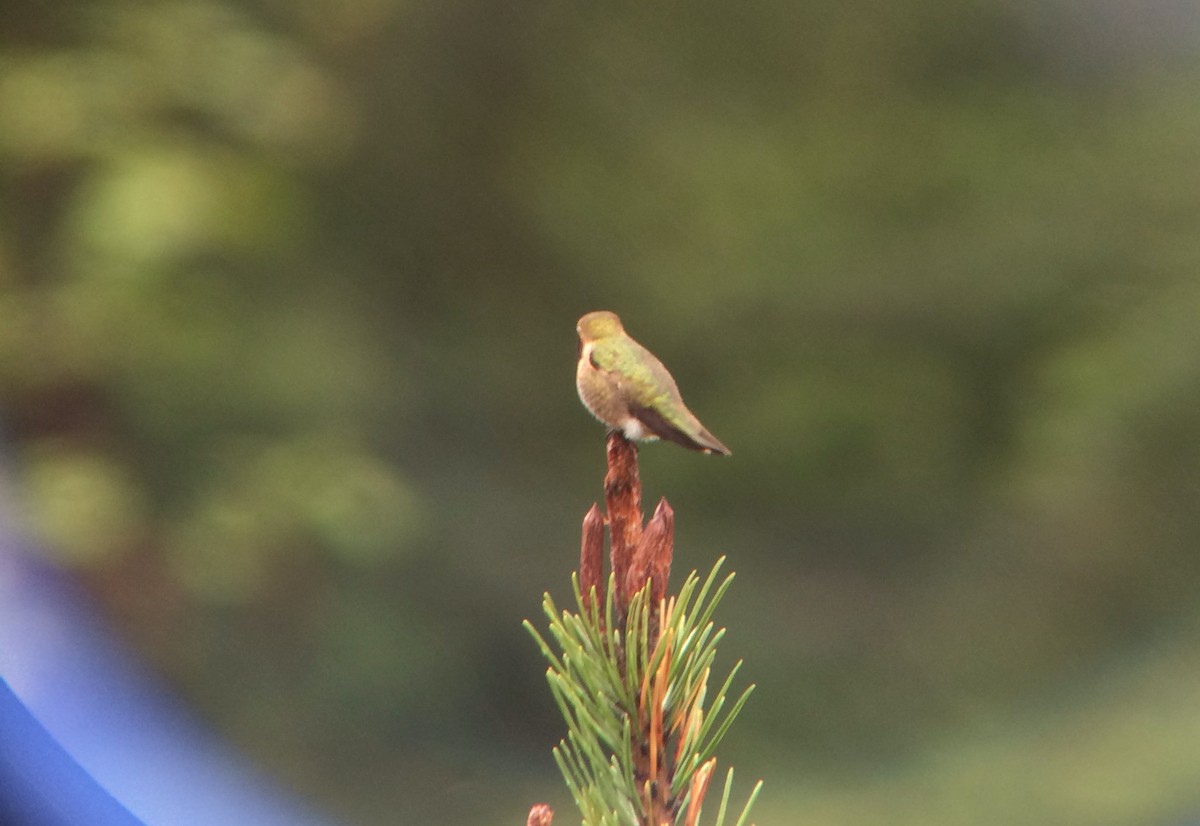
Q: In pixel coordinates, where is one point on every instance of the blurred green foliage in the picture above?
(286, 306)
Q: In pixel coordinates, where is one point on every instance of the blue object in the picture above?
(89, 738)
(40, 784)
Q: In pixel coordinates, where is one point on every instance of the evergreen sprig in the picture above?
(640, 739)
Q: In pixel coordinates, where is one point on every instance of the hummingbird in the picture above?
(624, 386)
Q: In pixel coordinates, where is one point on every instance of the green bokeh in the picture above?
(287, 296)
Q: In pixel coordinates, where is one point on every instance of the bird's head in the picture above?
(598, 325)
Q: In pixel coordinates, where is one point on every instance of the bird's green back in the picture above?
(642, 374)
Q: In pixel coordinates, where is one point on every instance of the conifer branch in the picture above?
(630, 669)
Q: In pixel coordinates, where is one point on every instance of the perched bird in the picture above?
(627, 388)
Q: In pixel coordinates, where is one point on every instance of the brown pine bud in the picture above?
(540, 815)
(591, 557)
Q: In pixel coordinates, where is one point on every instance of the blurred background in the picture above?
(287, 306)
